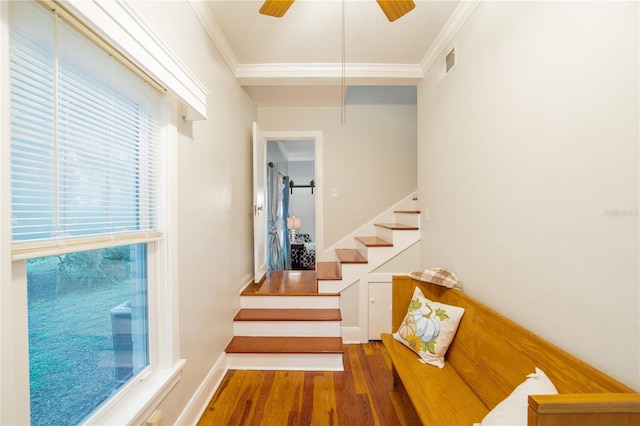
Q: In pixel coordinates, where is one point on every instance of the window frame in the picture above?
(136, 400)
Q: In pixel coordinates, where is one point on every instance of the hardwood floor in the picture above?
(361, 395)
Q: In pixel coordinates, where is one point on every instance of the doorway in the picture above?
(297, 169)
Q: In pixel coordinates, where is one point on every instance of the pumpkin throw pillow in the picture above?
(428, 328)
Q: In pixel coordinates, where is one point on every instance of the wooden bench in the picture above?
(488, 358)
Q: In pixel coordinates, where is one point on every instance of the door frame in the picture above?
(316, 136)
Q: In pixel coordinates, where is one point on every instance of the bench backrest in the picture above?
(494, 354)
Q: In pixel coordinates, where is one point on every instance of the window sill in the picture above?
(138, 399)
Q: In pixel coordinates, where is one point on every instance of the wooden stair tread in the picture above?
(288, 315)
(350, 256)
(397, 226)
(285, 283)
(374, 242)
(407, 211)
(328, 271)
(289, 293)
(285, 345)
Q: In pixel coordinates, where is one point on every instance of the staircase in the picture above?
(285, 324)
(370, 252)
(291, 321)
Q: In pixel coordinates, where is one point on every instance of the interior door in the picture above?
(259, 204)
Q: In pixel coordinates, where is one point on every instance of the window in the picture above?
(84, 133)
(88, 329)
(84, 211)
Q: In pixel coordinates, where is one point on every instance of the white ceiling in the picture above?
(296, 60)
(297, 150)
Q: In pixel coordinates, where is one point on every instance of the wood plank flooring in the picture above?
(363, 394)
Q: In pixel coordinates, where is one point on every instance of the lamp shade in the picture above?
(294, 222)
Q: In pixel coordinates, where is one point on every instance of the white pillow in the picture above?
(512, 411)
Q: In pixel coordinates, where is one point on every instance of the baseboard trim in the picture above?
(288, 362)
(248, 280)
(352, 335)
(202, 396)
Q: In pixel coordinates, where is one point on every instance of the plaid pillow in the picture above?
(437, 276)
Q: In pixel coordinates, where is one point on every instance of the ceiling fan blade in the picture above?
(395, 9)
(276, 8)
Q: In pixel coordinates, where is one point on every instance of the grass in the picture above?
(71, 351)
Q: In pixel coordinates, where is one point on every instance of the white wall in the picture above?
(528, 164)
(214, 190)
(275, 155)
(407, 261)
(370, 160)
(302, 201)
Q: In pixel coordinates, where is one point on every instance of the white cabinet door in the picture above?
(379, 309)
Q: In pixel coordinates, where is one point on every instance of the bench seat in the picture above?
(488, 358)
(428, 386)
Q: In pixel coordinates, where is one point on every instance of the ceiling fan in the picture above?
(393, 9)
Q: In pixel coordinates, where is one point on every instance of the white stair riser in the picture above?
(287, 328)
(376, 256)
(305, 362)
(384, 233)
(362, 249)
(404, 239)
(290, 302)
(351, 272)
(332, 286)
(410, 219)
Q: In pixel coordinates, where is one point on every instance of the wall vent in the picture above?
(450, 60)
(448, 63)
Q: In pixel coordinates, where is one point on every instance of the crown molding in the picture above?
(453, 25)
(294, 73)
(331, 73)
(119, 24)
(327, 73)
(208, 20)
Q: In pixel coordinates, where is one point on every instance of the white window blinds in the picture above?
(84, 139)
